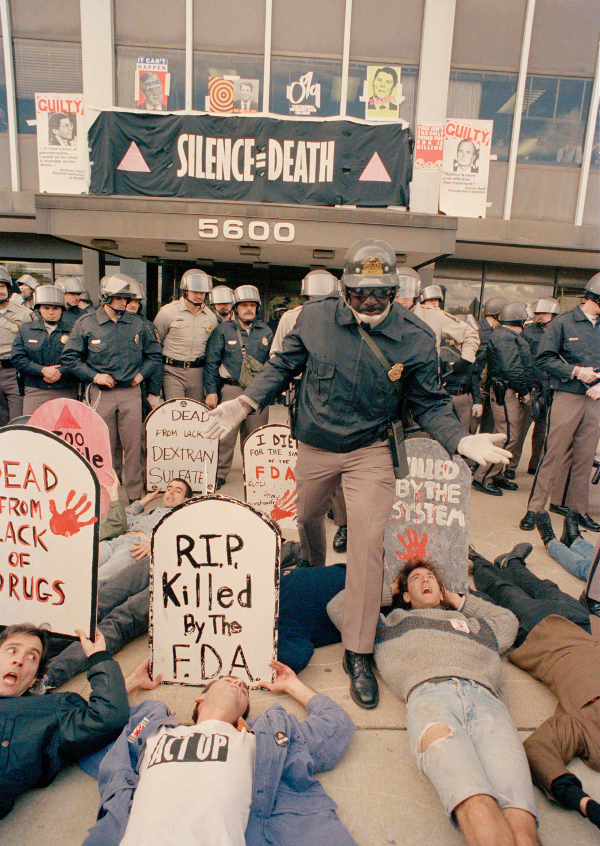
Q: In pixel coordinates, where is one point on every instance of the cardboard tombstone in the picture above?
(49, 512)
(214, 592)
(82, 428)
(430, 513)
(178, 448)
(270, 455)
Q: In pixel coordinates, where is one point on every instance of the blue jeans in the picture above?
(577, 560)
(482, 753)
(115, 555)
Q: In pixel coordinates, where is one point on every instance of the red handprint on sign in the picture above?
(414, 547)
(285, 506)
(67, 523)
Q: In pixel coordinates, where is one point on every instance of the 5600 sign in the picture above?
(235, 230)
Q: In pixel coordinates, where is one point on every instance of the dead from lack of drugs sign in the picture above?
(270, 455)
(178, 447)
(214, 592)
(430, 513)
(49, 511)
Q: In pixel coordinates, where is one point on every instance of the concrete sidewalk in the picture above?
(382, 797)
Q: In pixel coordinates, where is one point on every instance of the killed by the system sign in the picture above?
(214, 592)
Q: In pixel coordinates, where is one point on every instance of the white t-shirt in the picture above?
(195, 787)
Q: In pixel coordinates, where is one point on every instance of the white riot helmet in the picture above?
(196, 280)
(6, 279)
(116, 285)
(246, 294)
(546, 305)
(48, 295)
(27, 279)
(222, 295)
(70, 285)
(319, 283)
(432, 292)
(138, 290)
(409, 284)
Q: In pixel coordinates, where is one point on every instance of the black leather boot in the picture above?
(571, 528)
(363, 684)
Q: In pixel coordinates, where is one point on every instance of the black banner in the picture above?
(255, 159)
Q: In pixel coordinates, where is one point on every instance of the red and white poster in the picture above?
(270, 454)
(465, 167)
(429, 147)
(152, 84)
(61, 143)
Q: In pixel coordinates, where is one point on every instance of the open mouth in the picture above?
(10, 678)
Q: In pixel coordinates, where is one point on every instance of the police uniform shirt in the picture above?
(224, 356)
(570, 341)
(36, 346)
(11, 317)
(184, 335)
(443, 323)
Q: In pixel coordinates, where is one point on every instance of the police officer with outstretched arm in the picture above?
(346, 400)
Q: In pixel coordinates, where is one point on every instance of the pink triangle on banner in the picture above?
(133, 161)
(375, 171)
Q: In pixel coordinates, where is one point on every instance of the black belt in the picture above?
(186, 365)
(459, 392)
(6, 364)
(230, 382)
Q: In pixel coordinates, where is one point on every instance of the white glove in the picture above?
(225, 418)
(594, 392)
(483, 450)
(477, 409)
(154, 401)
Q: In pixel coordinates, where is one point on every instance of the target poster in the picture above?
(214, 592)
(82, 428)
(270, 454)
(178, 448)
(430, 513)
(465, 167)
(384, 92)
(49, 512)
(232, 94)
(152, 84)
(61, 143)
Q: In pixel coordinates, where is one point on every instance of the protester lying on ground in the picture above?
(439, 651)
(222, 780)
(41, 734)
(557, 645)
(572, 552)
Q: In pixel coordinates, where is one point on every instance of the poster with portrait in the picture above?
(465, 167)
(152, 84)
(245, 95)
(383, 92)
(61, 143)
(49, 518)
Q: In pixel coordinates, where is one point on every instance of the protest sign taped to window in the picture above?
(214, 592)
(429, 147)
(382, 93)
(430, 513)
(465, 167)
(82, 428)
(178, 448)
(152, 84)
(270, 454)
(61, 143)
(49, 512)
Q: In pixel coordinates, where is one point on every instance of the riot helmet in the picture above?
(513, 314)
(370, 264)
(196, 280)
(319, 283)
(222, 295)
(432, 292)
(592, 289)
(493, 306)
(48, 295)
(69, 285)
(409, 284)
(6, 279)
(116, 285)
(246, 294)
(546, 305)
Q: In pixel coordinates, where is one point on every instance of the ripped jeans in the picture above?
(481, 752)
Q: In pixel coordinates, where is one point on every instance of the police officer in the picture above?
(114, 351)
(73, 290)
(222, 298)
(544, 311)
(184, 327)
(487, 324)
(151, 386)
(429, 310)
(409, 287)
(37, 348)
(512, 374)
(316, 283)
(27, 285)
(12, 315)
(346, 401)
(224, 358)
(460, 381)
(569, 352)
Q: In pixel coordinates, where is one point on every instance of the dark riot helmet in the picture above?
(370, 264)
(6, 279)
(319, 283)
(513, 314)
(592, 289)
(493, 306)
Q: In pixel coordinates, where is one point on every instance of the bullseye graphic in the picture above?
(220, 92)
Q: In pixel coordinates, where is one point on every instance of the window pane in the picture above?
(488, 38)
(485, 96)
(150, 26)
(50, 18)
(44, 66)
(225, 64)
(521, 292)
(311, 27)
(126, 77)
(462, 296)
(357, 76)
(325, 73)
(237, 26)
(387, 32)
(37, 269)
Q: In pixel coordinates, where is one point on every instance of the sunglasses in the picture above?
(378, 293)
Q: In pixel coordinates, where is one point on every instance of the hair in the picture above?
(388, 70)
(147, 76)
(197, 705)
(188, 490)
(29, 629)
(55, 119)
(413, 564)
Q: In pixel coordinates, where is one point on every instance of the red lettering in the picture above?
(25, 594)
(13, 559)
(289, 474)
(48, 484)
(259, 472)
(56, 587)
(10, 532)
(30, 478)
(35, 508)
(13, 505)
(274, 472)
(8, 475)
(13, 581)
(20, 530)
(46, 596)
(37, 538)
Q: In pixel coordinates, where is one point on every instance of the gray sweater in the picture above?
(412, 647)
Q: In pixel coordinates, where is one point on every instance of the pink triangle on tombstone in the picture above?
(133, 161)
(375, 171)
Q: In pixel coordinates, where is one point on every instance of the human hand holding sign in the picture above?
(66, 523)
(414, 546)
